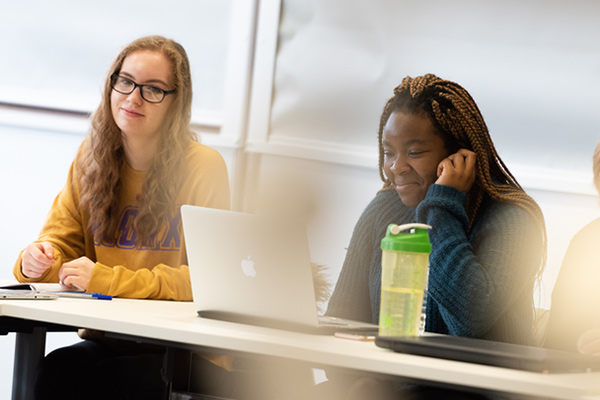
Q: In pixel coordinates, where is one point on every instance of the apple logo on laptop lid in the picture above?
(248, 267)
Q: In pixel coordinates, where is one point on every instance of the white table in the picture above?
(176, 323)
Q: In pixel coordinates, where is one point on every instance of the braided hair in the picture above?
(458, 121)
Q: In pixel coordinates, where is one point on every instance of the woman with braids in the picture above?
(439, 167)
(115, 228)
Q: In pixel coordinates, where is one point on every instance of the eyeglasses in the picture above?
(151, 94)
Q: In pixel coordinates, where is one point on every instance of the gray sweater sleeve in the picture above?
(480, 282)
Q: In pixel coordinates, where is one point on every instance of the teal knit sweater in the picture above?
(480, 283)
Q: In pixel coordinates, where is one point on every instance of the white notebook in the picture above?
(18, 294)
(39, 287)
(13, 290)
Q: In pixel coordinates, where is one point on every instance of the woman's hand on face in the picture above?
(77, 272)
(589, 342)
(36, 259)
(458, 170)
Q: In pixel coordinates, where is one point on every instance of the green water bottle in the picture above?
(404, 271)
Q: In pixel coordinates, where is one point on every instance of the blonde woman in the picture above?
(574, 324)
(115, 227)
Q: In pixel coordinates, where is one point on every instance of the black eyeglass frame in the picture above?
(115, 76)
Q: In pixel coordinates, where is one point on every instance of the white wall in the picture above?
(324, 70)
(76, 47)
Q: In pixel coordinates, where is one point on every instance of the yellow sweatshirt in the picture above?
(121, 269)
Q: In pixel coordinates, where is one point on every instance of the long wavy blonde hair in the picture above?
(101, 155)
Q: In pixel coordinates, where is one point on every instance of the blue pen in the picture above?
(101, 296)
(85, 295)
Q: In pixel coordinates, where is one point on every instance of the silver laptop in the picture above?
(489, 352)
(256, 270)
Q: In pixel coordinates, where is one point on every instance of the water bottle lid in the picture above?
(416, 241)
